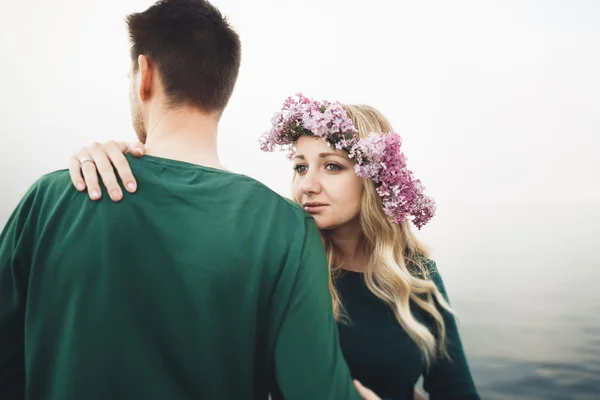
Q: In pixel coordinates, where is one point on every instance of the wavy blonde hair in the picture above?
(396, 271)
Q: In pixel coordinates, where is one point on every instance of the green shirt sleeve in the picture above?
(449, 379)
(309, 363)
(14, 268)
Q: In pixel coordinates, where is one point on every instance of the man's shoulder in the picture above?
(43, 193)
(59, 176)
(247, 189)
(264, 194)
(51, 180)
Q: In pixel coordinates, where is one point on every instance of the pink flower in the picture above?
(378, 157)
(302, 116)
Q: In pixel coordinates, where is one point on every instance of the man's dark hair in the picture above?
(195, 50)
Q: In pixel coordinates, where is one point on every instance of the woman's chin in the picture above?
(323, 223)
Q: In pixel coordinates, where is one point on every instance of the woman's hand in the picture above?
(99, 159)
(419, 395)
(366, 394)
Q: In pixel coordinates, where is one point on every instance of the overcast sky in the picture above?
(497, 101)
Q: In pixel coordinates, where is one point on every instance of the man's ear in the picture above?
(146, 74)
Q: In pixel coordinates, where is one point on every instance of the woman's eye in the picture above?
(333, 167)
(300, 168)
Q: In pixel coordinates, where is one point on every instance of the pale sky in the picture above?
(497, 101)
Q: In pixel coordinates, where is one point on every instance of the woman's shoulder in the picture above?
(421, 267)
(425, 268)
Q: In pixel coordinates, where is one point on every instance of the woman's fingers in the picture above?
(115, 152)
(101, 160)
(75, 173)
(136, 149)
(83, 173)
(104, 169)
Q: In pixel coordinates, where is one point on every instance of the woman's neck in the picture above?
(349, 241)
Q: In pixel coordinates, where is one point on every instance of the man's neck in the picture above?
(184, 135)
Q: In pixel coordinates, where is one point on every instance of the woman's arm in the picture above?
(449, 379)
(102, 159)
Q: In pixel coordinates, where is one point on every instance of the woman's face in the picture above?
(325, 184)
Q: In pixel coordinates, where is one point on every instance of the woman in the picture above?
(395, 323)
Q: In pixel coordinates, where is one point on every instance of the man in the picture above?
(203, 285)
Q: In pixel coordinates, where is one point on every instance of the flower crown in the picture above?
(378, 157)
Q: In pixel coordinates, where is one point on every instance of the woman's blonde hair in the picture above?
(396, 271)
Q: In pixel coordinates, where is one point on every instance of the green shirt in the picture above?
(202, 285)
(384, 358)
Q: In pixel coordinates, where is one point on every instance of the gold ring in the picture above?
(86, 159)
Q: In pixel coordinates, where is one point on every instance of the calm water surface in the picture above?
(525, 281)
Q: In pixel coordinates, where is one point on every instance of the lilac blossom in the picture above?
(378, 157)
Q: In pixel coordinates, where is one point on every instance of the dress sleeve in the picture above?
(449, 379)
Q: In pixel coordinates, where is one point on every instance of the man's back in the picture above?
(203, 284)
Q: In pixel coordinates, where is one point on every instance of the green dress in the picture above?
(202, 285)
(383, 357)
